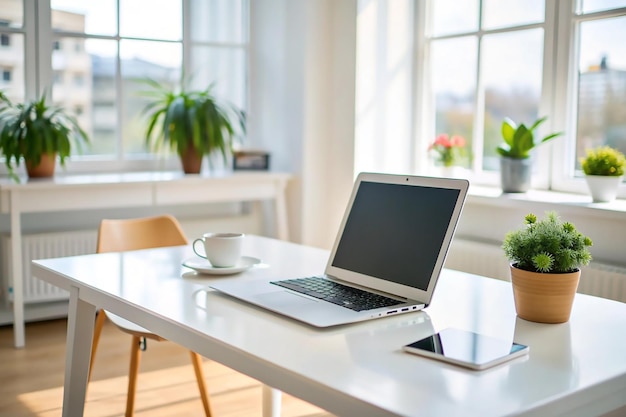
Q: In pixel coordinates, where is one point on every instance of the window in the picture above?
(601, 86)
(523, 59)
(13, 58)
(142, 39)
(100, 51)
(489, 78)
(79, 80)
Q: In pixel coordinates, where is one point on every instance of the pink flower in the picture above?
(447, 148)
(458, 141)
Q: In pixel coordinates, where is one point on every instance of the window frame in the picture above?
(564, 177)
(558, 96)
(39, 75)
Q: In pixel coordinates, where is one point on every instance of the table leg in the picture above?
(271, 402)
(80, 326)
(16, 272)
(282, 228)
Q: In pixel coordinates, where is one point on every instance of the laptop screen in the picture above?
(395, 232)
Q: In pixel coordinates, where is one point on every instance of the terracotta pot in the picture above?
(544, 298)
(45, 169)
(191, 160)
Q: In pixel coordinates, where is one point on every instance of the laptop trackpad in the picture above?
(283, 299)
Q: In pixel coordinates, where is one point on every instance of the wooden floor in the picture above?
(31, 379)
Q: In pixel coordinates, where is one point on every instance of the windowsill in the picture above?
(546, 201)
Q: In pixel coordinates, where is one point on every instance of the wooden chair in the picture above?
(134, 234)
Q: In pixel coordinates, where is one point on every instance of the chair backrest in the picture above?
(117, 235)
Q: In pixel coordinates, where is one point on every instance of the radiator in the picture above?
(42, 246)
(599, 279)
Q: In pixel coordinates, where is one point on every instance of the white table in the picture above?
(102, 191)
(573, 369)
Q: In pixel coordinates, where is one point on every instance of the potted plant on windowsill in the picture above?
(193, 123)
(546, 257)
(604, 171)
(38, 133)
(515, 161)
(448, 153)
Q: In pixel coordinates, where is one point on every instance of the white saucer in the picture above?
(202, 266)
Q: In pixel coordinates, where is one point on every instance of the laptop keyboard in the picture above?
(333, 292)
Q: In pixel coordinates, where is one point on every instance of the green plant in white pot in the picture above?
(546, 256)
(515, 154)
(604, 172)
(193, 123)
(37, 132)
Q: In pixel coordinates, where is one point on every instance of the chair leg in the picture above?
(100, 319)
(197, 367)
(135, 356)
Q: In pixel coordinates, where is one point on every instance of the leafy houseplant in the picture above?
(37, 132)
(546, 257)
(192, 123)
(515, 163)
(604, 170)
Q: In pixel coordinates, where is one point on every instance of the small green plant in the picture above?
(547, 245)
(520, 140)
(604, 161)
(33, 128)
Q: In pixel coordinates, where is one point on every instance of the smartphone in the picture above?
(467, 349)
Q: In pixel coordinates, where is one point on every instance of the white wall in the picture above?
(302, 105)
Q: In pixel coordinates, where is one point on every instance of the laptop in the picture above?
(386, 259)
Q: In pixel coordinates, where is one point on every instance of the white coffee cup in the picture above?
(223, 250)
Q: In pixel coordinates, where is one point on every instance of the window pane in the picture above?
(590, 6)
(506, 13)
(72, 80)
(104, 106)
(92, 17)
(511, 68)
(11, 13)
(602, 85)
(12, 82)
(225, 68)
(454, 86)
(140, 59)
(218, 21)
(454, 16)
(151, 19)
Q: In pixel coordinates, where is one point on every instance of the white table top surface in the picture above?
(575, 368)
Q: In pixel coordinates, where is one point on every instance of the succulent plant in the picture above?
(548, 245)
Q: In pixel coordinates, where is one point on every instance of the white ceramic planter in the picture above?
(515, 174)
(603, 188)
